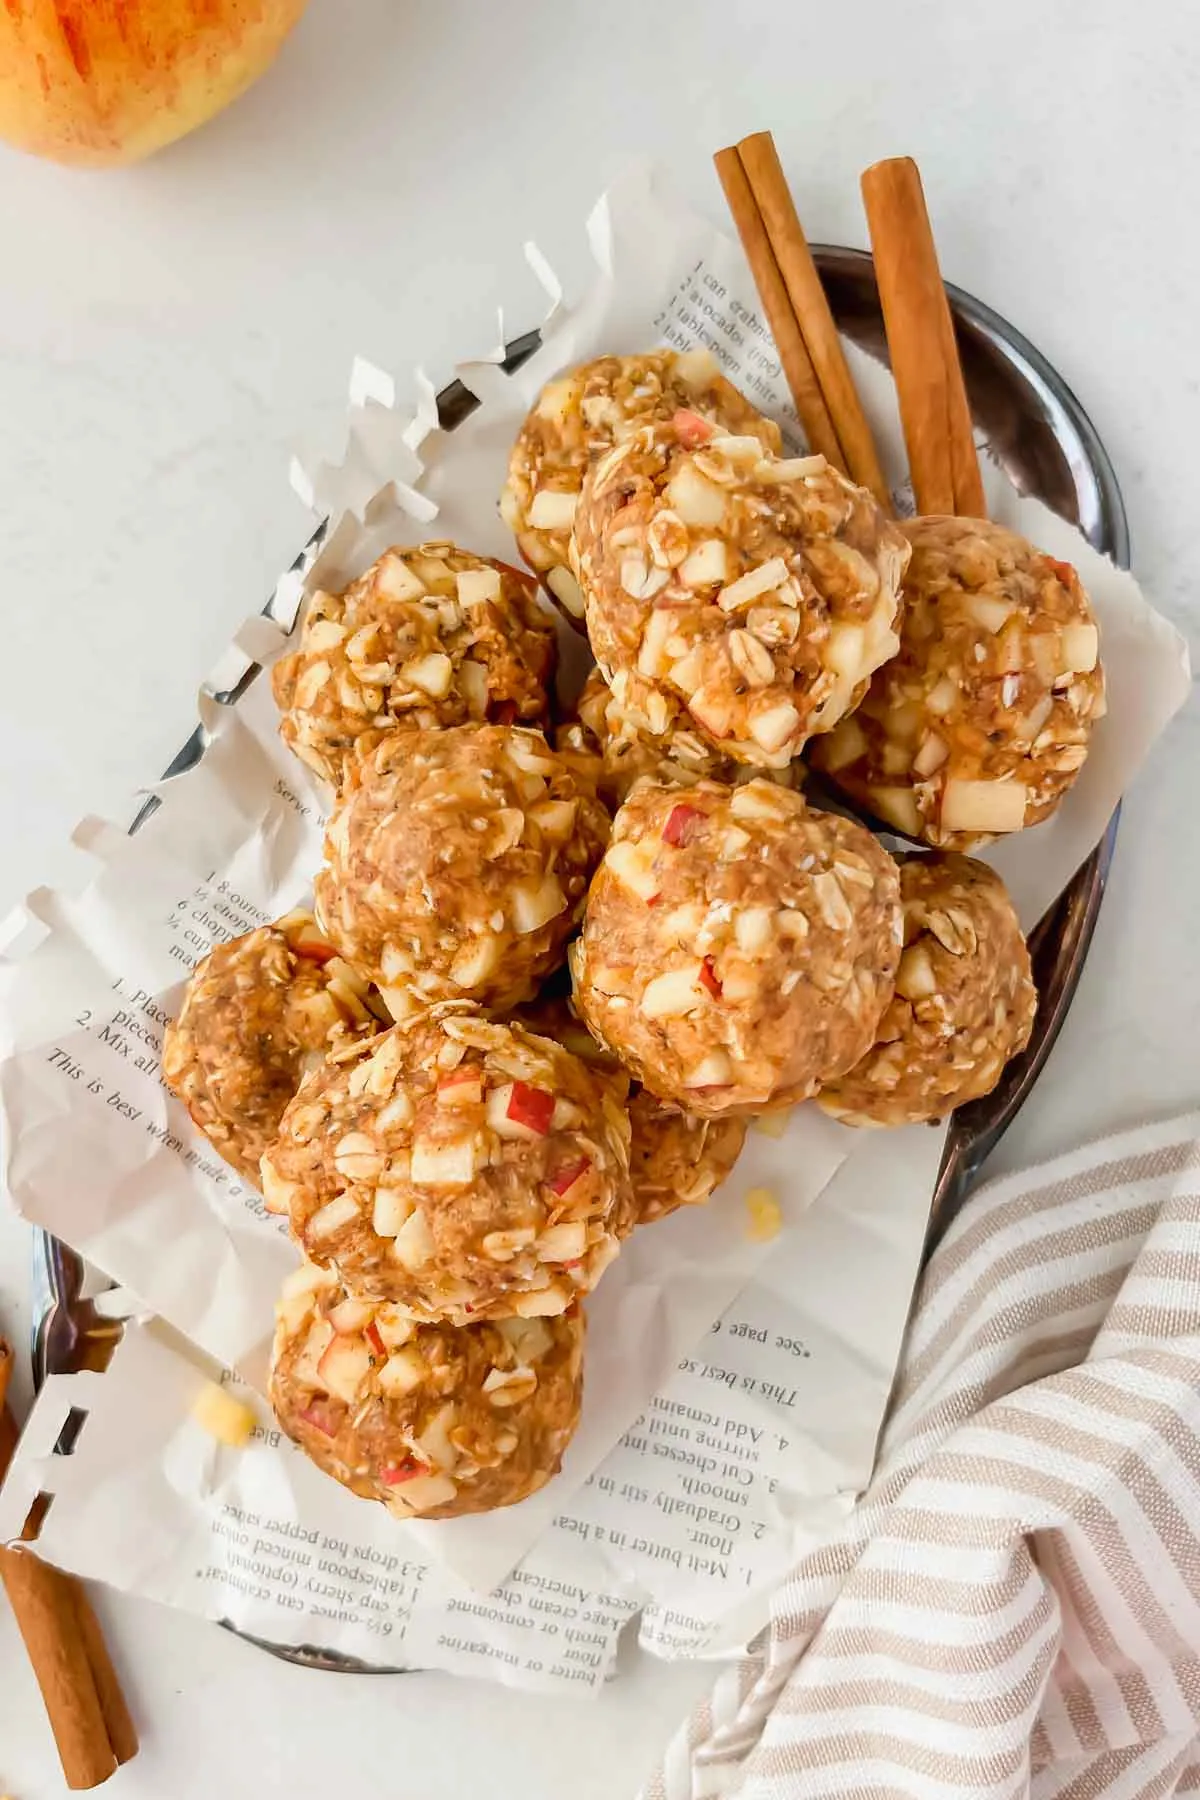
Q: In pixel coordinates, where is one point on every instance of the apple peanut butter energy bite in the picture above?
(676, 1158)
(432, 1420)
(258, 1014)
(738, 948)
(463, 1169)
(458, 863)
(964, 1001)
(757, 593)
(583, 413)
(428, 636)
(982, 722)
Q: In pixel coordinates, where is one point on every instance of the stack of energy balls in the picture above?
(460, 1152)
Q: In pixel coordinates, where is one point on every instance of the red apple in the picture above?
(403, 1471)
(564, 1179)
(691, 428)
(709, 978)
(103, 82)
(324, 1416)
(680, 827)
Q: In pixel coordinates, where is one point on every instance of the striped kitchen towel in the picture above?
(1014, 1606)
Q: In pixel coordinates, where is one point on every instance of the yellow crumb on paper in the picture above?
(773, 1125)
(230, 1421)
(765, 1215)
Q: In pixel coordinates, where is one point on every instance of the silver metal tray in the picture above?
(1043, 438)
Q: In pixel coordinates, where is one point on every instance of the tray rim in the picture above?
(58, 1271)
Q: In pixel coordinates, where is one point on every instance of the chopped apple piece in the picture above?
(555, 818)
(709, 978)
(422, 1493)
(700, 503)
(896, 806)
(443, 1162)
(651, 660)
(565, 1178)
(930, 757)
(752, 929)
(403, 1371)
(983, 806)
(632, 864)
(461, 1087)
(544, 1303)
(692, 428)
(682, 823)
(531, 1107)
(671, 995)
(306, 1280)
(225, 1418)
(706, 565)
(432, 674)
(566, 590)
(915, 979)
(765, 1215)
(942, 695)
(712, 710)
(551, 511)
(344, 1367)
(987, 611)
(557, 399)
(389, 1212)
(394, 1326)
(396, 581)
(562, 1243)
(413, 1244)
(476, 586)
(713, 1071)
(476, 962)
(331, 1218)
(324, 1415)
(772, 728)
(1080, 649)
(350, 1315)
(531, 908)
(408, 1470)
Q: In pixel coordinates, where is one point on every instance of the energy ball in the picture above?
(431, 636)
(433, 1420)
(632, 733)
(463, 1169)
(981, 723)
(964, 1003)
(457, 864)
(635, 732)
(738, 949)
(258, 1014)
(676, 1158)
(551, 1016)
(758, 593)
(583, 413)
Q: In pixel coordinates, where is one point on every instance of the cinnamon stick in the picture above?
(810, 307)
(83, 1699)
(934, 408)
(789, 342)
(43, 1603)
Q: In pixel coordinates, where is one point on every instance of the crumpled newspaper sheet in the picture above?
(733, 1396)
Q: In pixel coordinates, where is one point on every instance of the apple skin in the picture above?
(99, 83)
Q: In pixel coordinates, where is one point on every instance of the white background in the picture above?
(168, 333)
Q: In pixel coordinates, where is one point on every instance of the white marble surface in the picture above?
(167, 334)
